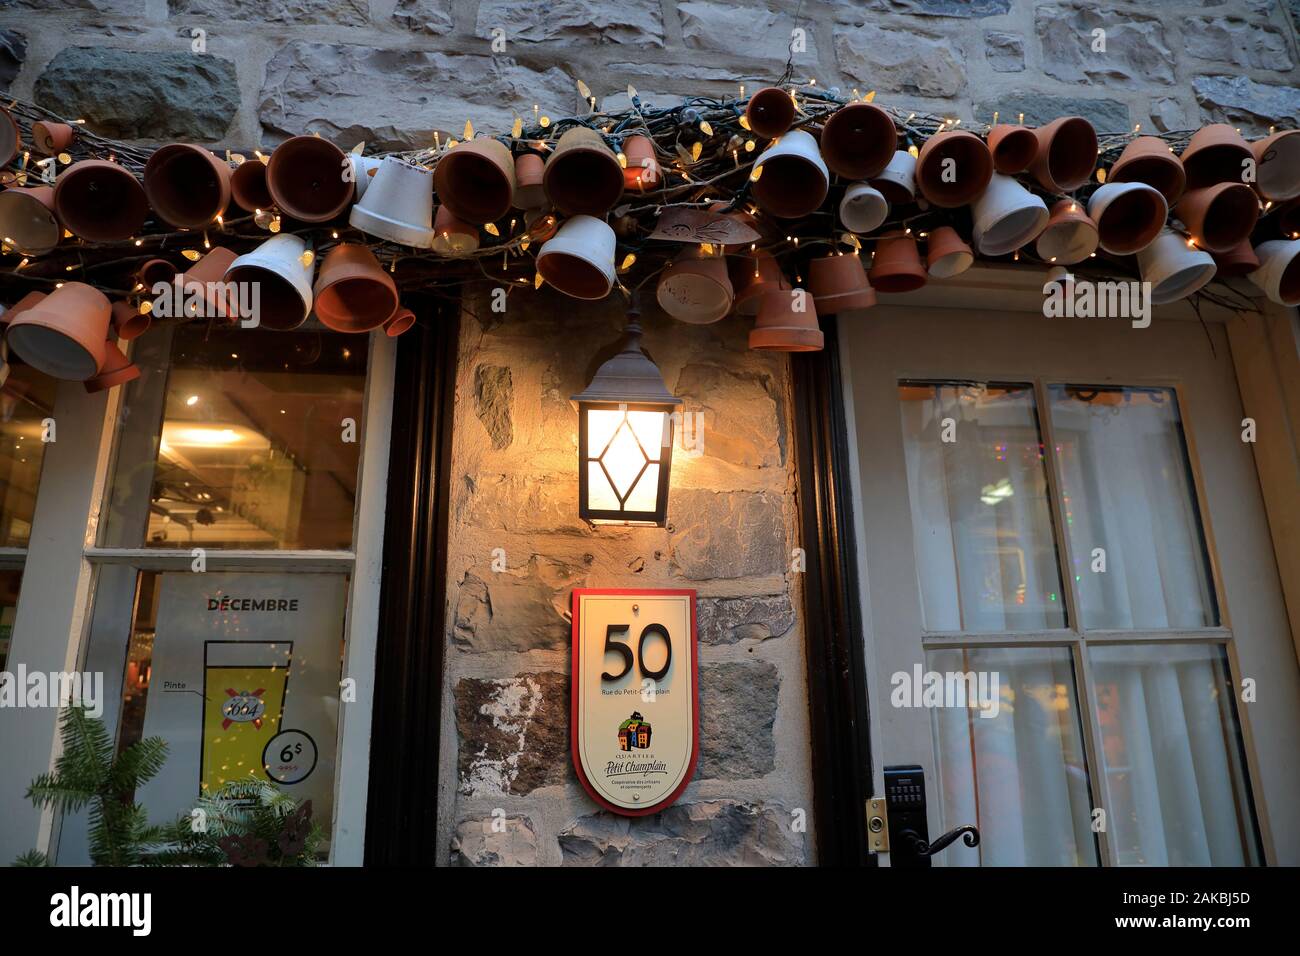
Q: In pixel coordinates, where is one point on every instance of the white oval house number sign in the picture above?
(635, 721)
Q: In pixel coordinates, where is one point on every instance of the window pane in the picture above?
(981, 521)
(1127, 489)
(10, 581)
(1019, 773)
(236, 438)
(1175, 780)
(26, 400)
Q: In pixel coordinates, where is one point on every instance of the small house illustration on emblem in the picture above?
(634, 733)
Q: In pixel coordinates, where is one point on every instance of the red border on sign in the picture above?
(575, 604)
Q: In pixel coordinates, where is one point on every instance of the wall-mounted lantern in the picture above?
(625, 439)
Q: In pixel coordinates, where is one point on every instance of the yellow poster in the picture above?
(243, 709)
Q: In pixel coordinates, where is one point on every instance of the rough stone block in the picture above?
(13, 51)
(493, 396)
(637, 22)
(754, 32)
(514, 733)
(737, 714)
(743, 424)
(1243, 102)
(1241, 42)
(521, 609)
(350, 13)
(900, 60)
(495, 841)
(726, 535)
(1109, 116)
(731, 620)
(1005, 52)
(1135, 51)
(424, 16)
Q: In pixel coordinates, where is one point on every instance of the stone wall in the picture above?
(731, 529)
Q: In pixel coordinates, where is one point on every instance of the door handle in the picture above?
(896, 823)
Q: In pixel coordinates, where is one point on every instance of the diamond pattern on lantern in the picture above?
(623, 460)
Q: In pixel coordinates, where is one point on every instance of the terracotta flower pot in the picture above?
(1007, 216)
(541, 225)
(476, 180)
(1219, 216)
(897, 181)
(1069, 237)
(100, 201)
(794, 179)
(696, 289)
(1277, 165)
(529, 193)
(971, 172)
(863, 208)
(401, 321)
(398, 204)
(786, 322)
(27, 219)
(1129, 216)
(1240, 260)
(858, 141)
(64, 334)
(22, 305)
(1067, 154)
(353, 293)
(579, 259)
(453, 237)
(642, 171)
(207, 277)
(283, 282)
(1148, 160)
(116, 369)
(305, 178)
(947, 254)
(128, 321)
(1288, 219)
(838, 283)
(1216, 154)
(11, 137)
(751, 277)
(248, 186)
(1279, 270)
(154, 271)
(187, 185)
(1013, 148)
(50, 139)
(583, 177)
(896, 266)
(1174, 269)
(770, 112)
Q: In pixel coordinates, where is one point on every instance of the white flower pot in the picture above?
(364, 169)
(1129, 216)
(1174, 269)
(794, 177)
(579, 259)
(863, 208)
(1279, 270)
(1007, 216)
(284, 283)
(398, 205)
(897, 181)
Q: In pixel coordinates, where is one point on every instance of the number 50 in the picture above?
(626, 652)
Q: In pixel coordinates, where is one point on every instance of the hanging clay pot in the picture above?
(305, 178)
(1067, 154)
(1148, 160)
(786, 322)
(1013, 148)
(969, 171)
(1240, 260)
(1069, 237)
(283, 281)
(206, 280)
(128, 321)
(752, 276)
(476, 180)
(896, 266)
(402, 320)
(947, 254)
(11, 138)
(579, 259)
(453, 237)
(695, 288)
(1287, 217)
(1216, 154)
(63, 335)
(353, 293)
(153, 271)
(27, 219)
(897, 181)
(858, 141)
(863, 208)
(1277, 165)
(1129, 216)
(642, 170)
(838, 283)
(1007, 216)
(1219, 216)
(50, 139)
(541, 224)
(770, 112)
(529, 193)
(583, 177)
(1279, 270)
(793, 180)
(187, 185)
(398, 204)
(100, 201)
(1174, 269)
(116, 369)
(248, 186)
(26, 302)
